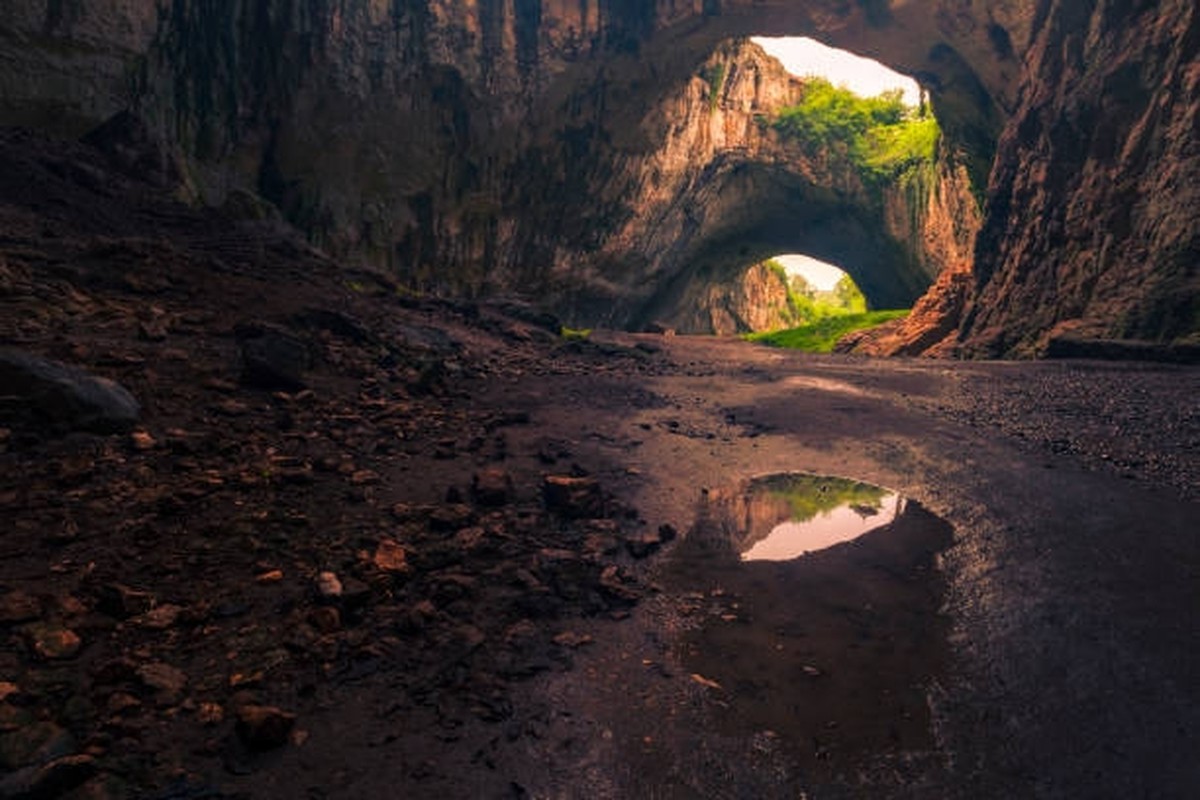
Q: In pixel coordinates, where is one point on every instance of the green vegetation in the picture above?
(822, 335)
(575, 334)
(811, 495)
(714, 76)
(881, 136)
(807, 304)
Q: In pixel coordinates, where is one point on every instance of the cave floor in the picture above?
(445, 565)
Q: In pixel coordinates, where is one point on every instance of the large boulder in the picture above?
(272, 356)
(65, 398)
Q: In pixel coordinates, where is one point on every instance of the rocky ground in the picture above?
(337, 541)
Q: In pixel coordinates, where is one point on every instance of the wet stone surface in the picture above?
(816, 609)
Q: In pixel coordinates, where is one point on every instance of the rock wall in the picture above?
(1093, 226)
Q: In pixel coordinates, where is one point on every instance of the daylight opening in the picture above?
(882, 121)
(805, 57)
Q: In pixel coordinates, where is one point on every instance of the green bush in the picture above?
(880, 135)
(807, 304)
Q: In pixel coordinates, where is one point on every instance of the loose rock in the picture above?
(264, 727)
(492, 487)
(573, 497)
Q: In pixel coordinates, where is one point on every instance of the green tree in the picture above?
(849, 297)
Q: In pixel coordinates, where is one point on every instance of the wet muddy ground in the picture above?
(360, 544)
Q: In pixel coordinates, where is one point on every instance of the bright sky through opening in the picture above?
(803, 57)
(822, 276)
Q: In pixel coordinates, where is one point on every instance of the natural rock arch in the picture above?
(761, 211)
(411, 133)
(693, 185)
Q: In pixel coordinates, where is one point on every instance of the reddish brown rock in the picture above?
(390, 556)
(492, 487)
(573, 497)
(53, 643)
(17, 606)
(264, 727)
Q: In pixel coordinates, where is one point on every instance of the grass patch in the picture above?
(822, 335)
(575, 334)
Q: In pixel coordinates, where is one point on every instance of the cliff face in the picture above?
(568, 148)
(1093, 228)
(755, 301)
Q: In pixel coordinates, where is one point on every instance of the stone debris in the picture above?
(312, 502)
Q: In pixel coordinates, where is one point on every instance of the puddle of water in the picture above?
(813, 606)
(786, 516)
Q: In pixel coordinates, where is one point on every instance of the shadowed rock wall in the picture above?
(1093, 224)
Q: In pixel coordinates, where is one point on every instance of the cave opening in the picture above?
(785, 292)
(841, 160)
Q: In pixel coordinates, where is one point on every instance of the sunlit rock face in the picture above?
(756, 301)
(557, 147)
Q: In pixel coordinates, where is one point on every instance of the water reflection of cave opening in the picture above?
(784, 517)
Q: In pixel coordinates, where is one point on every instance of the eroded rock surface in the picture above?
(1093, 224)
(564, 149)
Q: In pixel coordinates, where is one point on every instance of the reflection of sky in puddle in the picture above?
(792, 539)
(835, 650)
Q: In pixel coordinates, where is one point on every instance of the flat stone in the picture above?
(160, 617)
(573, 497)
(390, 556)
(162, 678)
